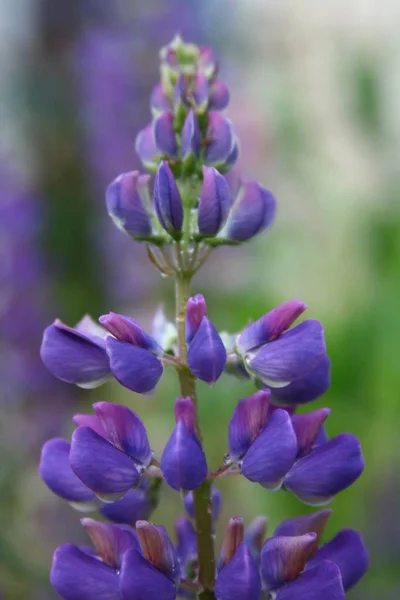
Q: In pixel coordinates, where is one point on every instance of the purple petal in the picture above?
(232, 158)
(252, 212)
(57, 474)
(207, 354)
(272, 454)
(183, 462)
(133, 367)
(164, 134)
(91, 421)
(233, 537)
(146, 148)
(323, 581)
(134, 506)
(247, 422)
(216, 501)
(77, 576)
(326, 470)
(313, 522)
(110, 541)
(219, 95)
(196, 309)
(293, 355)
(185, 412)
(124, 430)
(348, 552)
(159, 102)
(125, 206)
(126, 329)
(239, 579)
(104, 469)
(157, 548)
(283, 558)
(214, 203)
(221, 139)
(270, 326)
(190, 141)
(307, 427)
(73, 356)
(141, 581)
(201, 91)
(305, 389)
(167, 200)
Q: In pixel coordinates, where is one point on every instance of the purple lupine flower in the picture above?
(137, 504)
(254, 536)
(221, 140)
(126, 206)
(322, 470)
(110, 466)
(277, 355)
(238, 577)
(307, 388)
(152, 572)
(252, 211)
(167, 200)
(146, 149)
(76, 354)
(219, 95)
(190, 142)
(206, 352)
(81, 574)
(214, 202)
(216, 501)
(183, 463)
(164, 134)
(263, 446)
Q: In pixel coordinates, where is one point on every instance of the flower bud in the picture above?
(157, 547)
(234, 535)
(219, 95)
(146, 148)
(126, 207)
(164, 135)
(159, 101)
(206, 353)
(190, 142)
(239, 579)
(126, 329)
(200, 92)
(196, 309)
(167, 200)
(220, 140)
(183, 462)
(207, 63)
(214, 203)
(283, 558)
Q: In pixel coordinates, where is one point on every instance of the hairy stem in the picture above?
(201, 496)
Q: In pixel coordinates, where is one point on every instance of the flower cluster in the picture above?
(109, 465)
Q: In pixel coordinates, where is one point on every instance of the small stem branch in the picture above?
(202, 495)
(224, 471)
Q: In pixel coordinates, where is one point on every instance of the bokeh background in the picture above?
(315, 99)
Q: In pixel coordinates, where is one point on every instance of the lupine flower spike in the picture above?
(189, 204)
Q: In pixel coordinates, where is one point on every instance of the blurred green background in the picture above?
(315, 96)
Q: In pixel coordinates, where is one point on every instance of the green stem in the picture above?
(202, 495)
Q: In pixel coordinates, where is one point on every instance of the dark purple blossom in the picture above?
(214, 202)
(183, 463)
(167, 200)
(126, 206)
(221, 140)
(190, 142)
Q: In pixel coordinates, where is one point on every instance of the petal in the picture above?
(124, 430)
(110, 541)
(248, 420)
(270, 326)
(239, 579)
(307, 427)
(283, 558)
(125, 206)
(348, 552)
(77, 576)
(134, 506)
(207, 354)
(159, 102)
(326, 470)
(146, 148)
(104, 469)
(201, 91)
(219, 95)
(164, 134)
(216, 501)
(185, 413)
(133, 367)
(220, 138)
(190, 141)
(73, 356)
(233, 537)
(252, 212)
(272, 454)
(57, 474)
(305, 389)
(126, 329)
(196, 309)
(157, 548)
(183, 462)
(91, 421)
(167, 200)
(313, 522)
(323, 581)
(141, 581)
(214, 203)
(293, 355)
